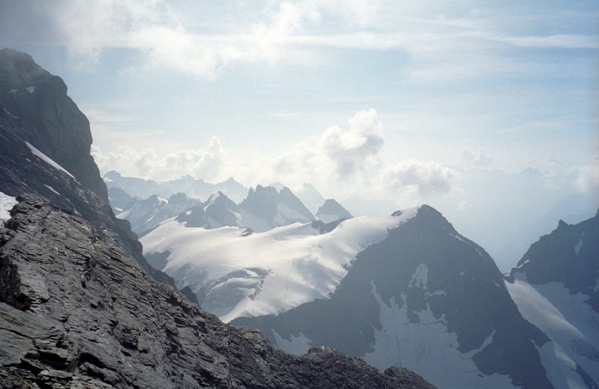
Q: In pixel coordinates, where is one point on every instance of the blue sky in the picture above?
(381, 104)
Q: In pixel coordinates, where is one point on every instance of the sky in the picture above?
(488, 111)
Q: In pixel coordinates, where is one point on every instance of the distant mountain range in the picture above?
(263, 208)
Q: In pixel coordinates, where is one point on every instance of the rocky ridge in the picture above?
(76, 311)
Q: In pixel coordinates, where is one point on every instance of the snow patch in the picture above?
(46, 159)
(30, 89)
(427, 348)
(10, 114)
(578, 246)
(52, 189)
(6, 204)
(420, 277)
(565, 318)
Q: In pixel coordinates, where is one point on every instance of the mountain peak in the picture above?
(332, 211)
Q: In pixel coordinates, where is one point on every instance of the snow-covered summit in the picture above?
(235, 274)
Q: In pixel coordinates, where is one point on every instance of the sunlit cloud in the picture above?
(587, 178)
(442, 45)
(149, 163)
(356, 149)
(421, 178)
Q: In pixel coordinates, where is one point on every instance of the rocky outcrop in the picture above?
(76, 311)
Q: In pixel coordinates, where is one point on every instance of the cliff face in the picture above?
(76, 311)
(36, 103)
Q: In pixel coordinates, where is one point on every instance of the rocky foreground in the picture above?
(77, 312)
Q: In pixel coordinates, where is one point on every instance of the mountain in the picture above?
(77, 307)
(332, 211)
(556, 287)
(217, 211)
(238, 273)
(146, 214)
(275, 208)
(310, 196)
(75, 311)
(264, 209)
(196, 188)
(427, 298)
(405, 289)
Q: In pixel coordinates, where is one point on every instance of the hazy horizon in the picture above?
(488, 112)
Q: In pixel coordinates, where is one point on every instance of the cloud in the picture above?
(357, 149)
(475, 158)
(421, 178)
(587, 178)
(150, 164)
(444, 42)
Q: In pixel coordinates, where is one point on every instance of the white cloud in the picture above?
(442, 42)
(587, 179)
(475, 158)
(148, 163)
(357, 149)
(421, 178)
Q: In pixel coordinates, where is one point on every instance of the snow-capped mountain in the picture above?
(236, 273)
(310, 196)
(556, 287)
(195, 188)
(263, 209)
(147, 214)
(274, 207)
(217, 211)
(332, 211)
(427, 298)
(404, 289)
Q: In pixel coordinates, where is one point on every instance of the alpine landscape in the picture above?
(340, 271)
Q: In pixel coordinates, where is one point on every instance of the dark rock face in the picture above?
(556, 285)
(568, 255)
(38, 105)
(75, 311)
(433, 282)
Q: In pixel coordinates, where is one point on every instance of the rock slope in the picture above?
(75, 311)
